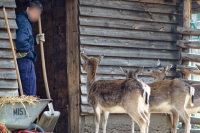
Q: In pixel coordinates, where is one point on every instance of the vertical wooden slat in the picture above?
(73, 65)
(186, 23)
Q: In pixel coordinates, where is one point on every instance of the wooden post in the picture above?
(73, 65)
(186, 23)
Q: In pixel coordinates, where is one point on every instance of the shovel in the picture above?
(49, 118)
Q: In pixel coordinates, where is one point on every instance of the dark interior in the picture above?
(54, 27)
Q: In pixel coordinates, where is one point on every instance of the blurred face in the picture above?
(33, 13)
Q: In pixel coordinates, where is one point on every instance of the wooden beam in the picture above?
(129, 15)
(188, 44)
(187, 69)
(127, 34)
(73, 65)
(188, 31)
(191, 82)
(195, 120)
(125, 43)
(190, 57)
(133, 5)
(186, 23)
(8, 3)
(172, 2)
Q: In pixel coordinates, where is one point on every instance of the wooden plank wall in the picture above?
(8, 78)
(131, 34)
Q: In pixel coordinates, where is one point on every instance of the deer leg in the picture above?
(141, 122)
(148, 115)
(105, 120)
(132, 126)
(97, 112)
(186, 120)
(174, 121)
(138, 118)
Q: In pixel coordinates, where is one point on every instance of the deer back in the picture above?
(112, 92)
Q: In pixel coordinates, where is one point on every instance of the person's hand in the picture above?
(40, 37)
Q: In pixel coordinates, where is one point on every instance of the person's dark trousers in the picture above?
(27, 75)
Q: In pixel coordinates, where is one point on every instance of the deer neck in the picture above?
(91, 77)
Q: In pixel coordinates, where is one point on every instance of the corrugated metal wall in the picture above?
(131, 34)
(8, 78)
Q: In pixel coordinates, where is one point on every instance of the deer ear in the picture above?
(84, 56)
(138, 71)
(158, 63)
(100, 58)
(167, 68)
(124, 70)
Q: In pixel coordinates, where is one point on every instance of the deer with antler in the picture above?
(115, 96)
(169, 96)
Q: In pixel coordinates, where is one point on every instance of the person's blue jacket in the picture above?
(25, 41)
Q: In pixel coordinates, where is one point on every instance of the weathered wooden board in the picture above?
(6, 93)
(12, 24)
(8, 3)
(126, 43)
(128, 34)
(165, 2)
(5, 44)
(187, 69)
(4, 34)
(130, 5)
(6, 54)
(10, 14)
(72, 68)
(8, 84)
(133, 62)
(84, 99)
(127, 24)
(130, 15)
(190, 57)
(86, 109)
(188, 44)
(188, 31)
(191, 81)
(128, 52)
(7, 63)
(8, 74)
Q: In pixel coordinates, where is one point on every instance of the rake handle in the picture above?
(43, 62)
(13, 49)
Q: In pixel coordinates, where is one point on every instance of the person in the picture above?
(25, 43)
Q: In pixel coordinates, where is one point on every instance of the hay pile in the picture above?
(16, 99)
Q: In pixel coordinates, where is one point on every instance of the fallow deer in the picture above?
(115, 96)
(169, 96)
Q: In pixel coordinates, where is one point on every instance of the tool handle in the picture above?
(13, 50)
(51, 109)
(43, 62)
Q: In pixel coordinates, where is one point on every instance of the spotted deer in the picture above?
(115, 96)
(196, 104)
(169, 96)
